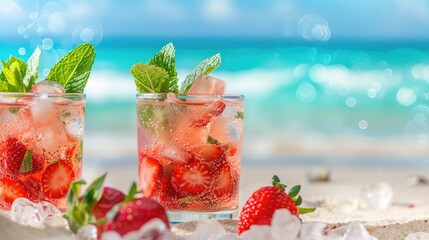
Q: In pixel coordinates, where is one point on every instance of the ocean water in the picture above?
(306, 103)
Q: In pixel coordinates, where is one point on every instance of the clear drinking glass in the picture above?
(40, 146)
(189, 149)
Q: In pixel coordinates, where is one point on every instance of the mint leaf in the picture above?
(13, 72)
(31, 73)
(204, 68)
(150, 78)
(27, 162)
(165, 59)
(212, 140)
(239, 115)
(73, 70)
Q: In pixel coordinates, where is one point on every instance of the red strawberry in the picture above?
(56, 179)
(10, 189)
(109, 199)
(214, 110)
(260, 207)
(191, 179)
(132, 215)
(208, 153)
(150, 171)
(13, 155)
(223, 181)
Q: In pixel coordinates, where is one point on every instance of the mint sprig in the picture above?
(204, 68)
(31, 72)
(73, 70)
(165, 59)
(150, 78)
(13, 73)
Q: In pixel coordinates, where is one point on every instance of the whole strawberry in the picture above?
(260, 207)
(134, 214)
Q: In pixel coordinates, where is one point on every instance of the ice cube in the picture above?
(312, 230)
(47, 87)
(207, 85)
(73, 122)
(418, 236)
(42, 111)
(38, 215)
(351, 231)
(257, 232)
(209, 230)
(284, 225)
(377, 196)
(87, 232)
(25, 212)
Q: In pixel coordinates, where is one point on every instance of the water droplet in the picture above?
(363, 124)
(21, 29)
(87, 35)
(46, 72)
(57, 22)
(305, 92)
(300, 71)
(351, 102)
(406, 96)
(91, 32)
(276, 55)
(22, 51)
(372, 93)
(47, 44)
(314, 28)
(39, 30)
(33, 15)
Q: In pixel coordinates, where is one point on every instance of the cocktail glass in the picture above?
(189, 149)
(40, 145)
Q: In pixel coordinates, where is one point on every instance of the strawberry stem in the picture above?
(276, 183)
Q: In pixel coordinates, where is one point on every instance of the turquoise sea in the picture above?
(306, 103)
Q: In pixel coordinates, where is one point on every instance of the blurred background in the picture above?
(328, 83)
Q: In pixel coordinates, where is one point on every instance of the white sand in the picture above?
(337, 201)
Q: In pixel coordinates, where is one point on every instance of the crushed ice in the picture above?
(284, 226)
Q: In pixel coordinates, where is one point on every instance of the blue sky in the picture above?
(319, 20)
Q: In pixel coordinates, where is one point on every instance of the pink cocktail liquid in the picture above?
(190, 151)
(40, 146)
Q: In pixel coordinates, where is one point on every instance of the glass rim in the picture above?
(78, 96)
(143, 96)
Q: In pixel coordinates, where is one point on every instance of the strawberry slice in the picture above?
(150, 171)
(14, 153)
(208, 153)
(223, 181)
(191, 179)
(109, 199)
(56, 179)
(10, 189)
(214, 110)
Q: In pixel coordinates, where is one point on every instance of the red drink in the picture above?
(190, 153)
(40, 146)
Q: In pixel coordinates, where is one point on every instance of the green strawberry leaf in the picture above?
(31, 73)
(294, 191)
(27, 162)
(93, 193)
(73, 70)
(204, 68)
(76, 215)
(306, 210)
(132, 193)
(150, 78)
(298, 201)
(165, 59)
